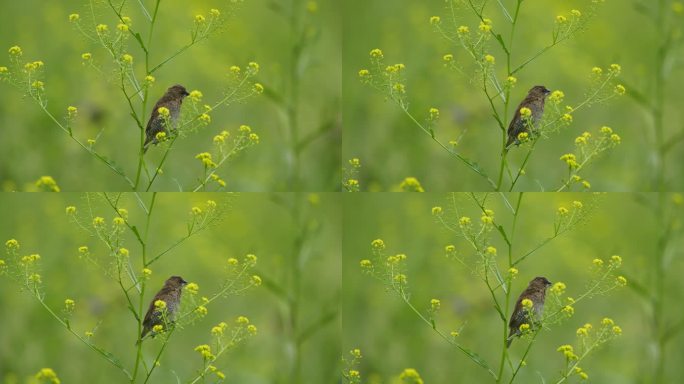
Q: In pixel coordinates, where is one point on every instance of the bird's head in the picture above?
(175, 282)
(540, 282)
(540, 91)
(177, 91)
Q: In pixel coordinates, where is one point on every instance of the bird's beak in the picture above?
(184, 283)
(546, 91)
(185, 93)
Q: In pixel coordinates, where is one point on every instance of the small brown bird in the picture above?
(536, 292)
(171, 295)
(535, 103)
(172, 100)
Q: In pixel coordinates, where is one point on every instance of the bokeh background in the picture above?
(391, 147)
(296, 238)
(392, 337)
(261, 31)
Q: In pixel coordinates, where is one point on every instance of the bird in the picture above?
(169, 294)
(536, 292)
(172, 100)
(534, 101)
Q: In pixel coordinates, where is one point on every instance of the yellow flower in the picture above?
(615, 69)
(204, 118)
(365, 263)
(615, 138)
(556, 97)
(489, 59)
(199, 19)
(620, 89)
(83, 249)
(560, 19)
(563, 211)
(252, 68)
(597, 262)
(558, 288)
(48, 374)
(195, 96)
(615, 261)
(250, 258)
(70, 210)
(364, 73)
(192, 288)
(463, 221)
(525, 113)
(576, 13)
(254, 138)
(434, 113)
(448, 57)
(411, 375)
(513, 271)
(606, 130)
(621, 280)
(607, 321)
(436, 210)
(524, 327)
(527, 304)
(617, 330)
(256, 280)
(462, 30)
(122, 27)
(101, 28)
(126, 58)
(39, 85)
(149, 79)
(450, 248)
(215, 12)
(258, 88)
(252, 329)
(376, 53)
(242, 320)
(146, 272)
(86, 56)
(586, 184)
(160, 304)
(378, 244)
(597, 71)
(74, 17)
(485, 25)
(435, 20)
(490, 250)
(15, 50)
(69, 304)
(568, 310)
(12, 244)
(158, 328)
(566, 118)
(202, 310)
(435, 304)
(510, 80)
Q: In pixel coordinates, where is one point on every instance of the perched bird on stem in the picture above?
(536, 294)
(534, 102)
(172, 100)
(158, 313)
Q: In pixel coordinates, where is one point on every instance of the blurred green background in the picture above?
(392, 337)
(295, 310)
(32, 146)
(391, 147)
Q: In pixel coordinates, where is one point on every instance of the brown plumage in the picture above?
(535, 102)
(536, 292)
(172, 99)
(171, 295)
